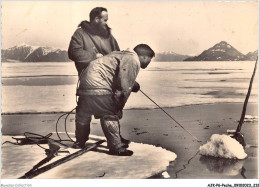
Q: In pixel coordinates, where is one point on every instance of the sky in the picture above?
(184, 27)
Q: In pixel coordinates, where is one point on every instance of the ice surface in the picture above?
(92, 165)
(169, 84)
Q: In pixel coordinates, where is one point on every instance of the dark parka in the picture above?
(86, 42)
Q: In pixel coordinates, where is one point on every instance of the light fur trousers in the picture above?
(111, 129)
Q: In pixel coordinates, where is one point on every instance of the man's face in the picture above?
(145, 61)
(102, 21)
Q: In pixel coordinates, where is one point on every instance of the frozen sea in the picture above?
(51, 87)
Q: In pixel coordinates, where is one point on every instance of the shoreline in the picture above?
(144, 108)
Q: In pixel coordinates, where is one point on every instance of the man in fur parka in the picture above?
(92, 39)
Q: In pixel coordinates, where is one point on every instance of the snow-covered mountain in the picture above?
(220, 52)
(18, 52)
(169, 56)
(27, 53)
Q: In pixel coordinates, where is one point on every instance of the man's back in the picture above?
(102, 75)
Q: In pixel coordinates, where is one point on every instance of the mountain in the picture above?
(18, 53)
(251, 56)
(27, 53)
(169, 56)
(47, 54)
(219, 52)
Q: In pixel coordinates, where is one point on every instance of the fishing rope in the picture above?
(57, 125)
(66, 125)
(68, 113)
(40, 139)
(33, 138)
(170, 116)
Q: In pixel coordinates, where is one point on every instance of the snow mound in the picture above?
(223, 146)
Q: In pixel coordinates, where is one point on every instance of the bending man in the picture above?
(104, 88)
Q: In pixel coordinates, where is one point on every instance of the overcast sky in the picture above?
(183, 27)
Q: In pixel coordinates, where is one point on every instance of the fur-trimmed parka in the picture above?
(87, 41)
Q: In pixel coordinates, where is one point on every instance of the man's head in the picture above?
(145, 54)
(98, 17)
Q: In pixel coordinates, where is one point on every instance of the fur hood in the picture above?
(86, 26)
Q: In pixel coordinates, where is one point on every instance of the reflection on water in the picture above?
(185, 165)
(229, 167)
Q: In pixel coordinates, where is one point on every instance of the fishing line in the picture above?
(170, 116)
(236, 135)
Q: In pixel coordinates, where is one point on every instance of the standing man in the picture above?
(104, 88)
(92, 39)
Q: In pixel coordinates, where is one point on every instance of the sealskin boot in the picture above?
(121, 152)
(78, 145)
(125, 141)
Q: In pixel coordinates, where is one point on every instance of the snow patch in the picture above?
(218, 50)
(25, 45)
(250, 118)
(166, 175)
(47, 50)
(223, 146)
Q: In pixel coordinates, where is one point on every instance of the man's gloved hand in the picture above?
(98, 55)
(136, 87)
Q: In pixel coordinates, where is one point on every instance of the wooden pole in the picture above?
(60, 161)
(246, 100)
